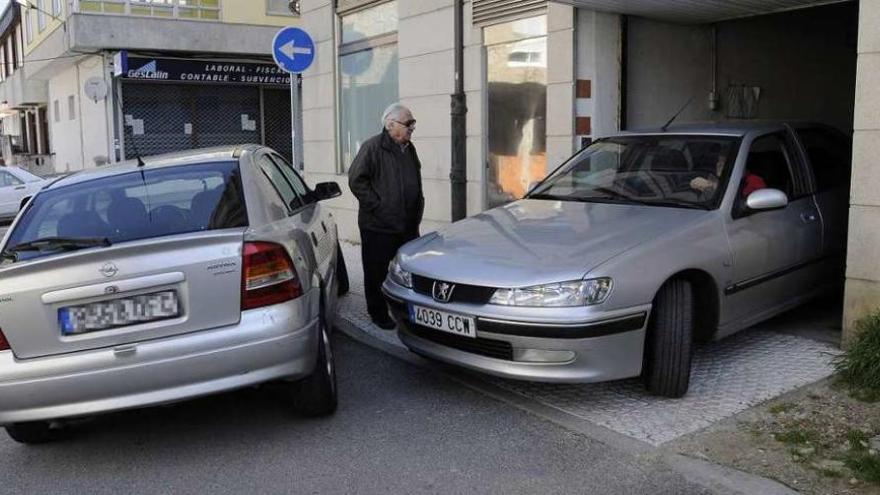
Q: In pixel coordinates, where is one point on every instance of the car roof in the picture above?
(181, 158)
(738, 128)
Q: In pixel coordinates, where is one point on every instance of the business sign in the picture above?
(181, 70)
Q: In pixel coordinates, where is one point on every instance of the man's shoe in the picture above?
(384, 324)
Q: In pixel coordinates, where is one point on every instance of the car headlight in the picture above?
(398, 275)
(563, 294)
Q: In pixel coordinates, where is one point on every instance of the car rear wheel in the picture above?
(341, 273)
(669, 342)
(35, 432)
(315, 395)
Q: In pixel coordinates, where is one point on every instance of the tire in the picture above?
(342, 285)
(31, 433)
(669, 343)
(315, 395)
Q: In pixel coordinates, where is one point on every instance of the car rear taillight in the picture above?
(4, 344)
(267, 276)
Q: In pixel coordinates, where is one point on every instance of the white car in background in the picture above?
(16, 185)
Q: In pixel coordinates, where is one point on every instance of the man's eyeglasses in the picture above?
(410, 124)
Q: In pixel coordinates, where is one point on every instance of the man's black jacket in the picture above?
(381, 177)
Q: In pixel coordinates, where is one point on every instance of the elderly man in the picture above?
(386, 179)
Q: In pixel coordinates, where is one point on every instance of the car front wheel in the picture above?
(669, 342)
(315, 395)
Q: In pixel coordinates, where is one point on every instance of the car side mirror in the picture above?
(327, 190)
(766, 199)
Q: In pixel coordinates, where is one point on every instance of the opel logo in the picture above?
(109, 270)
(442, 291)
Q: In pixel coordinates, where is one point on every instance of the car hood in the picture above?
(533, 242)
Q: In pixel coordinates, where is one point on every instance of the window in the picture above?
(185, 9)
(29, 25)
(769, 163)
(298, 185)
(8, 180)
(280, 183)
(278, 7)
(516, 55)
(56, 111)
(11, 62)
(71, 107)
(19, 42)
(830, 155)
(41, 17)
(56, 8)
(368, 74)
(3, 73)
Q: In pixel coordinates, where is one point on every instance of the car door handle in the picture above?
(19, 188)
(808, 216)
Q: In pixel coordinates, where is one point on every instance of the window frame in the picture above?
(284, 12)
(307, 198)
(833, 135)
(342, 49)
(791, 152)
(41, 16)
(10, 179)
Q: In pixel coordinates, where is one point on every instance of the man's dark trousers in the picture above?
(377, 250)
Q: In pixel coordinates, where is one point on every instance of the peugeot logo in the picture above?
(442, 291)
(112, 289)
(109, 270)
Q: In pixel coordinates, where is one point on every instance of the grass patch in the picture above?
(830, 473)
(864, 466)
(781, 407)
(858, 440)
(797, 436)
(859, 366)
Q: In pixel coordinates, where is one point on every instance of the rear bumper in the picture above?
(261, 347)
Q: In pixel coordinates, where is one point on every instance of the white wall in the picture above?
(76, 142)
(598, 50)
(863, 271)
(425, 84)
(803, 61)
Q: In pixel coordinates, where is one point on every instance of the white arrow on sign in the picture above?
(291, 50)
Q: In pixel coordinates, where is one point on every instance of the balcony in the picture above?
(208, 10)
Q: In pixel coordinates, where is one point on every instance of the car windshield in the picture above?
(131, 206)
(687, 171)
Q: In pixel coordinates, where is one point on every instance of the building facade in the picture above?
(544, 78)
(123, 78)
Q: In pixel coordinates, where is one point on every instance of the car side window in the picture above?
(830, 156)
(295, 180)
(768, 165)
(7, 179)
(278, 180)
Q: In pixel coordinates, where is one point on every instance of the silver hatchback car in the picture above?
(635, 247)
(141, 284)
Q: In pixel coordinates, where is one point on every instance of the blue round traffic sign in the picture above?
(293, 49)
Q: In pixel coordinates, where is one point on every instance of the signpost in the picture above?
(294, 52)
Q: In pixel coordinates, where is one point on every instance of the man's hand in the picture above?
(703, 184)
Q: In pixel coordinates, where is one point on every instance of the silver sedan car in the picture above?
(630, 251)
(147, 283)
(16, 186)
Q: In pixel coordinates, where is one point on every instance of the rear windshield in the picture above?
(136, 205)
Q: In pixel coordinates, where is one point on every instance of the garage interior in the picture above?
(740, 59)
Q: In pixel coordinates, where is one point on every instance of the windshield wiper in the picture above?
(56, 243)
(614, 194)
(551, 197)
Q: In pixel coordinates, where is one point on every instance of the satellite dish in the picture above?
(96, 89)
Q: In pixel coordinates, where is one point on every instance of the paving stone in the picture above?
(728, 377)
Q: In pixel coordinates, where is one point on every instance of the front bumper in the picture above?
(562, 345)
(263, 346)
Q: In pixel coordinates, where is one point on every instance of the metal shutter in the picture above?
(494, 11)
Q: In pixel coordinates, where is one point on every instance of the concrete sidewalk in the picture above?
(729, 376)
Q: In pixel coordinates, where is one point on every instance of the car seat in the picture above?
(127, 218)
(203, 206)
(82, 224)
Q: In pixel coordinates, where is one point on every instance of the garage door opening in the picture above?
(798, 65)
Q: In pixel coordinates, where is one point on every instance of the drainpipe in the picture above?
(458, 174)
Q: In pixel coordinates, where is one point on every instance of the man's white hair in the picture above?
(393, 112)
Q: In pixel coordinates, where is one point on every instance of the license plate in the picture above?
(104, 315)
(443, 321)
